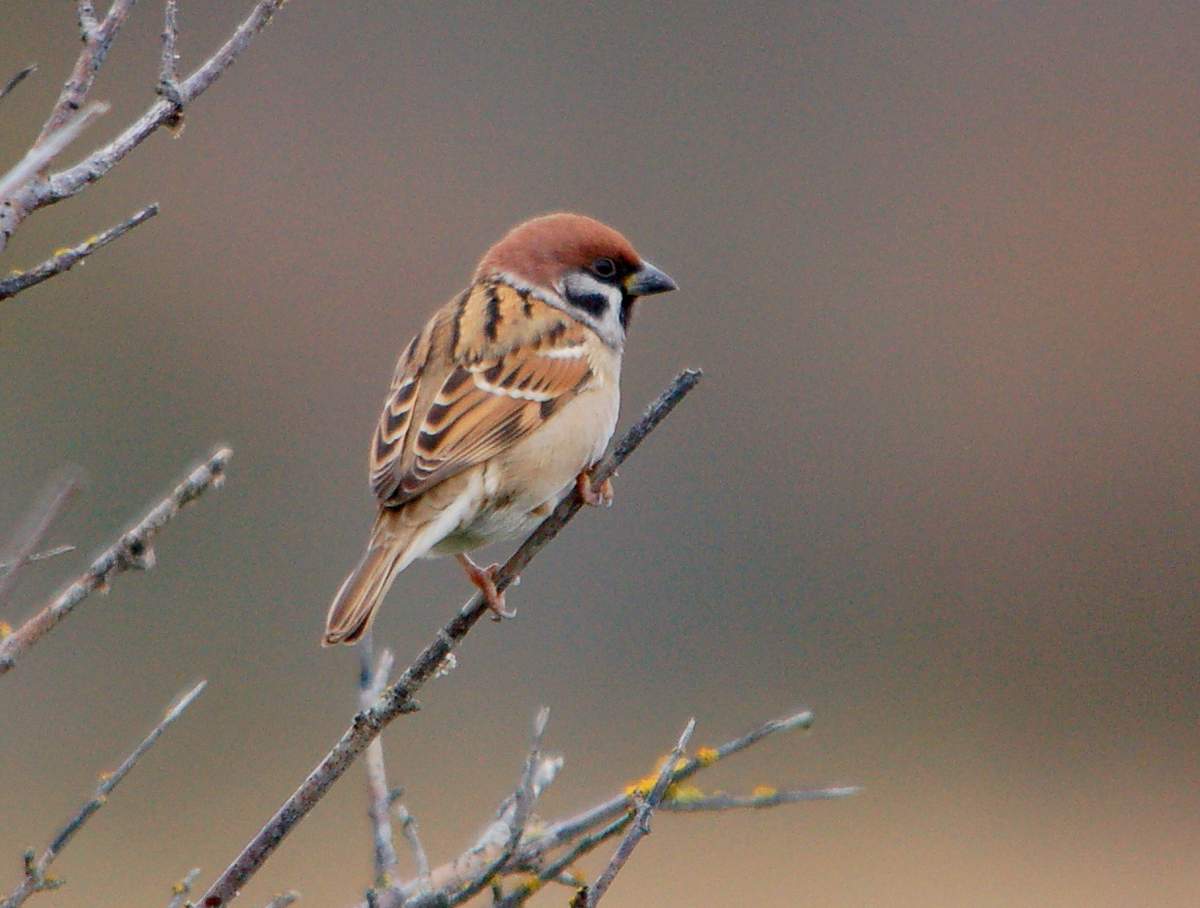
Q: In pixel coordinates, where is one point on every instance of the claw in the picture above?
(592, 494)
(484, 579)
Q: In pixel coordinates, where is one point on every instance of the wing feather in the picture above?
(514, 360)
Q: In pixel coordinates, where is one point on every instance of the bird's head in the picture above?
(579, 265)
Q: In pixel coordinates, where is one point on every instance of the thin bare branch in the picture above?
(565, 830)
(66, 259)
(408, 825)
(399, 697)
(766, 797)
(97, 39)
(372, 678)
(7, 566)
(163, 112)
(181, 890)
(36, 878)
(515, 818)
(52, 501)
(38, 157)
(641, 821)
(133, 550)
(169, 70)
(556, 869)
(18, 77)
(588, 828)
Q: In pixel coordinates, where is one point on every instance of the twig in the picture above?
(641, 821)
(7, 566)
(766, 798)
(46, 150)
(168, 77)
(53, 500)
(133, 550)
(566, 830)
(97, 39)
(553, 871)
(408, 825)
(399, 697)
(521, 807)
(617, 811)
(372, 678)
(68, 258)
(163, 112)
(283, 899)
(35, 871)
(17, 78)
(181, 890)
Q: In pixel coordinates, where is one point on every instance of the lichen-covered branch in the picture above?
(590, 895)
(535, 863)
(182, 889)
(133, 550)
(36, 876)
(399, 697)
(66, 259)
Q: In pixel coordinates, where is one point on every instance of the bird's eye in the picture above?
(604, 267)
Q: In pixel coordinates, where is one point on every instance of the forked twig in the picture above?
(27, 187)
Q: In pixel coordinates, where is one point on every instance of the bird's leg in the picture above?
(592, 494)
(484, 579)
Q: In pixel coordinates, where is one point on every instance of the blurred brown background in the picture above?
(940, 263)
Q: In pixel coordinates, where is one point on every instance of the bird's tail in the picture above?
(358, 600)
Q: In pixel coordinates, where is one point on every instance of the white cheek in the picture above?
(608, 322)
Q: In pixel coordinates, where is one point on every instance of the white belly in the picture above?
(522, 486)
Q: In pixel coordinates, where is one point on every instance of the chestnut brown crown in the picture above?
(580, 265)
(542, 249)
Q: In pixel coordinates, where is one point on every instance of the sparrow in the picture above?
(502, 403)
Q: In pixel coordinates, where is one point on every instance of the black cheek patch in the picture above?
(595, 304)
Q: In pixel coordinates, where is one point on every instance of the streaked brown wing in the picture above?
(515, 361)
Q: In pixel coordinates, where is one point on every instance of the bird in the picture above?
(499, 407)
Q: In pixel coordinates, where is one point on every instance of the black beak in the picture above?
(647, 280)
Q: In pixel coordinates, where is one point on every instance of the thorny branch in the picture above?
(28, 187)
(133, 550)
(399, 697)
(36, 878)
